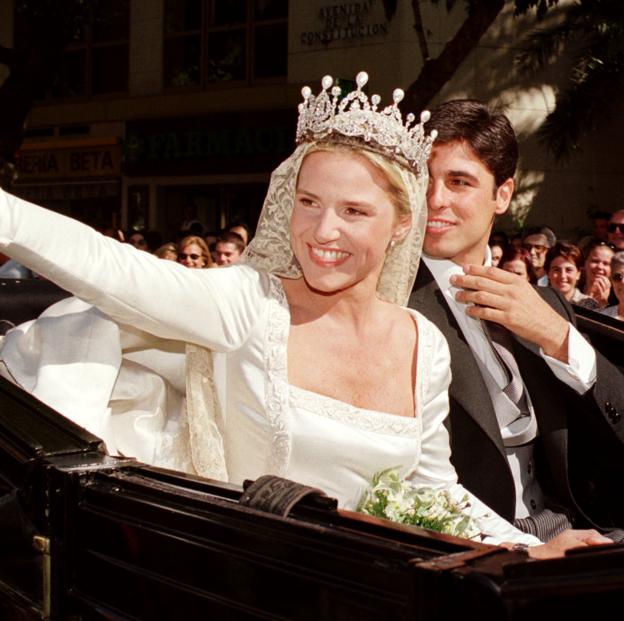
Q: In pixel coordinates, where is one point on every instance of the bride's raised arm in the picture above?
(213, 308)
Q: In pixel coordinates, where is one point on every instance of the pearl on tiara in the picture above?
(355, 118)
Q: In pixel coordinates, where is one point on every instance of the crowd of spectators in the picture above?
(194, 247)
(588, 273)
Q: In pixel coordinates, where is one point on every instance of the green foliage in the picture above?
(591, 34)
(391, 498)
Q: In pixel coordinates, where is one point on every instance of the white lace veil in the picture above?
(270, 249)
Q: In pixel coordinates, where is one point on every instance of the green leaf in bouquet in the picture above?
(391, 497)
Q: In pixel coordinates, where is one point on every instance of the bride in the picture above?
(302, 362)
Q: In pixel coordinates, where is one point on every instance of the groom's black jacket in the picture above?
(580, 447)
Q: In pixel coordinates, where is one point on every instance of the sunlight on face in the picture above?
(191, 256)
(342, 222)
(462, 200)
(598, 262)
(563, 275)
(537, 247)
(227, 253)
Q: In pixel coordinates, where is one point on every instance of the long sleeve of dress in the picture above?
(435, 468)
(212, 308)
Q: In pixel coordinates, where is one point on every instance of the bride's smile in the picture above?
(327, 257)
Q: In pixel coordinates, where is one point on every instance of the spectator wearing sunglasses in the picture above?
(617, 280)
(597, 271)
(615, 230)
(193, 252)
(537, 242)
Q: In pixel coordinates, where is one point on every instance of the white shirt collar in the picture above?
(443, 269)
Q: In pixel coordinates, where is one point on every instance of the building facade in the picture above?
(171, 110)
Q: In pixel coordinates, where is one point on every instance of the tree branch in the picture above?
(420, 31)
(436, 72)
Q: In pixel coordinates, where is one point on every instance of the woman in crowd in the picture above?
(563, 265)
(498, 242)
(517, 261)
(497, 252)
(597, 272)
(617, 280)
(168, 251)
(137, 239)
(302, 362)
(193, 252)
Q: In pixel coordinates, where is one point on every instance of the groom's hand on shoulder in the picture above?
(508, 299)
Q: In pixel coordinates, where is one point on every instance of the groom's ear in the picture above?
(503, 195)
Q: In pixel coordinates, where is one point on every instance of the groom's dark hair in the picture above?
(489, 134)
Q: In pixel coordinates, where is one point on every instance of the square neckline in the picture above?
(418, 388)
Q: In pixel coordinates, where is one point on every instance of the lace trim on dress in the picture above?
(368, 420)
(424, 359)
(173, 450)
(204, 415)
(275, 363)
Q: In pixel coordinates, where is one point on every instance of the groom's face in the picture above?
(462, 200)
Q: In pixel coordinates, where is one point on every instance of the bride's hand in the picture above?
(567, 540)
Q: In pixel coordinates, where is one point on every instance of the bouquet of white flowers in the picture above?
(391, 497)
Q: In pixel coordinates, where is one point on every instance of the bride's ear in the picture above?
(402, 227)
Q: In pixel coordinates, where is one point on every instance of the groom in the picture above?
(535, 413)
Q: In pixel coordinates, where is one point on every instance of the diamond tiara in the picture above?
(355, 119)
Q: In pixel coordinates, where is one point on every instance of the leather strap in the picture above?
(278, 496)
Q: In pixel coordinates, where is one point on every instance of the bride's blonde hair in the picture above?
(396, 186)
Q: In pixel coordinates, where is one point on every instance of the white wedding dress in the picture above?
(242, 418)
